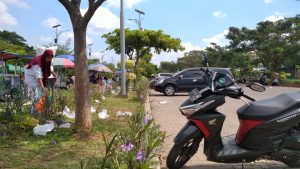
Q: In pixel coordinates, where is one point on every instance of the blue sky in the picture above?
(196, 22)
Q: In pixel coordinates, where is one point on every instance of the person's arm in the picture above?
(52, 71)
(40, 83)
(39, 77)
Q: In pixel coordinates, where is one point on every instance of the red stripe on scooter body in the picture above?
(245, 126)
(202, 127)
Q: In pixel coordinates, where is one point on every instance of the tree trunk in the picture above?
(83, 118)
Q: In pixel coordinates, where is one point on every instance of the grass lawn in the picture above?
(62, 148)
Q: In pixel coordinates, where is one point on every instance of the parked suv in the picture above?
(186, 80)
(159, 77)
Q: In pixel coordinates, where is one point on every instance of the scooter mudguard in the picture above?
(187, 132)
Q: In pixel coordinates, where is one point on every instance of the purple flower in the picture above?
(141, 97)
(127, 147)
(146, 120)
(139, 155)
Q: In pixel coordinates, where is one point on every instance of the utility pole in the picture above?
(138, 21)
(90, 50)
(122, 46)
(102, 55)
(56, 33)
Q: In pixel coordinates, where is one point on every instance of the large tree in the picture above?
(271, 42)
(83, 119)
(12, 42)
(190, 59)
(168, 67)
(140, 43)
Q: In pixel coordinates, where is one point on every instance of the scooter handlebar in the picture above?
(248, 97)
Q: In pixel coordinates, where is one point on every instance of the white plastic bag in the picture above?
(103, 114)
(43, 129)
(67, 112)
(93, 109)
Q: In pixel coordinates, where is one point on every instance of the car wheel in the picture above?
(169, 90)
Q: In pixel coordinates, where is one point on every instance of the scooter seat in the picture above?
(268, 108)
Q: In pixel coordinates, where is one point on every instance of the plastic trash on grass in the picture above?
(65, 125)
(43, 129)
(119, 113)
(103, 114)
(67, 112)
(93, 109)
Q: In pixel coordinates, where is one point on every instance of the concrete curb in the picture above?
(149, 113)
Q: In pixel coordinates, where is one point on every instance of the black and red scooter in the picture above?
(269, 128)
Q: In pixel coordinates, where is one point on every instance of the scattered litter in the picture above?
(97, 101)
(51, 122)
(65, 125)
(43, 129)
(27, 103)
(93, 109)
(119, 113)
(103, 97)
(103, 114)
(114, 92)
(53, 142)
(68, 113)
(163, 102)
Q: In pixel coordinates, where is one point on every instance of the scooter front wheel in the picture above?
(182, 152)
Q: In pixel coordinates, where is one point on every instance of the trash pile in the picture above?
(42, 130)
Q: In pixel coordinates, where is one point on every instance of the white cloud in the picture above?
(173, 56)
(273, 18)
(127, 3)
(18, 3)
(268, 1)
(219, 14)
(102, 21)
(6, 19)
(218, 39)
(50, 22)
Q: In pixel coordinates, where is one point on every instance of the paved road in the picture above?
(171, 121)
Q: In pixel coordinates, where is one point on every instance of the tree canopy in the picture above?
(271, 42)
(12, 42)
(141, 43)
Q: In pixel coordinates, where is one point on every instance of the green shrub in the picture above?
(284, 75)
(291, 81)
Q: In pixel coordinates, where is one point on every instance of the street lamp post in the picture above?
(138, 21)
(56, 33)
(90, 50)
(122, 46)
(102, 55)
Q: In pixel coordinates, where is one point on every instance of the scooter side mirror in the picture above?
(204, 58)
(257, 87)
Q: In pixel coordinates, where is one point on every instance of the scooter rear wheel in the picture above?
(182, 153)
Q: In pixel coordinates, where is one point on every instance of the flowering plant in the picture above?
(134, 147)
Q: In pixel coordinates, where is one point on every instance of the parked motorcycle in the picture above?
(269, 128)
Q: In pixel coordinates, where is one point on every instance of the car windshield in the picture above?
(179, 72)
(166, 74)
